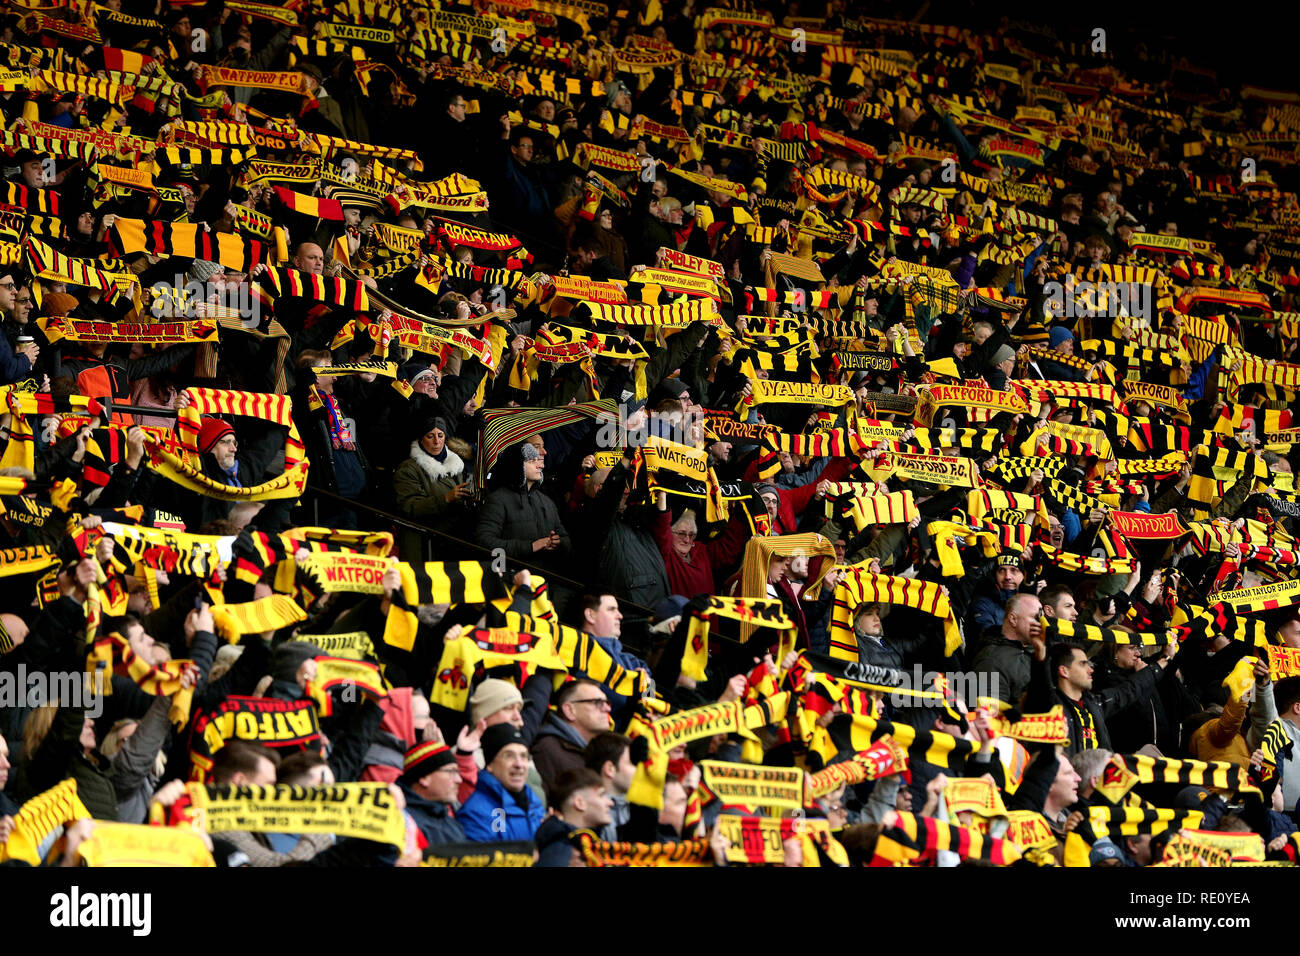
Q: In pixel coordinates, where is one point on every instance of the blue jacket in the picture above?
(436, 821)
(989, 607)
(483, 809)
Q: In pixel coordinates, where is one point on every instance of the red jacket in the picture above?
(795, 500)
(697, 577)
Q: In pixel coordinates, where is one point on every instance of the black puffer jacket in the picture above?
(515, 515)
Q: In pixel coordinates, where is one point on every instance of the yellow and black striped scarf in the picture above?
(862, 587)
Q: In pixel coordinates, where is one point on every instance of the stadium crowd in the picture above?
(549, 433)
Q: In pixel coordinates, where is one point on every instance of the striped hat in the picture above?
(424, 758)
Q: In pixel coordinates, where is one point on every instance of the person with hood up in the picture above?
(520, 519)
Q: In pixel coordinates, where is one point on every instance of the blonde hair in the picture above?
(113, 744)
(307, 356)
(37, 725)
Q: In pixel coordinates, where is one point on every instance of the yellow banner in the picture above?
(936, 469)
(693, 264)
(676, 457)
(676, 282)
(580, 287)
(974, 794)
(357, 33)
(339, 571)
(751, 785)
(366, 811)
(354, 645)
(762, 839)
(130, 844)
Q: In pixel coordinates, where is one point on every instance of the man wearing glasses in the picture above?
(581, 712)
(15, 365)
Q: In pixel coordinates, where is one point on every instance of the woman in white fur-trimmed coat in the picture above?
(431, 484)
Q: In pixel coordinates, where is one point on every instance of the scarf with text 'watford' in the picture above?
(285, 725)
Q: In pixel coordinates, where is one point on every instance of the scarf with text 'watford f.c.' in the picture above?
(364, 811)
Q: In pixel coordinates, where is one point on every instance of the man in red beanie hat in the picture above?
(217, 438)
